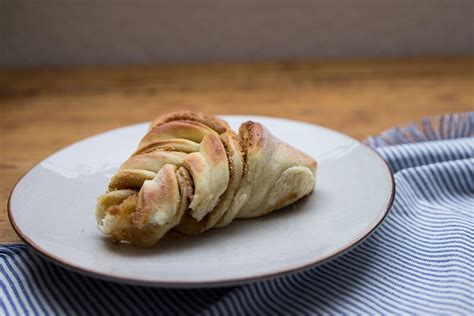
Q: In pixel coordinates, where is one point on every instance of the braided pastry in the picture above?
(191, 172)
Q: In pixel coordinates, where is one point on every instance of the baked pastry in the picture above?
(191, 172)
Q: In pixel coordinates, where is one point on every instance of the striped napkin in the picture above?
(420, 261)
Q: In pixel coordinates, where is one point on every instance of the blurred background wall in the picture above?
(90, 32)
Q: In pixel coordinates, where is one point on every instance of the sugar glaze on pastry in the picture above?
(191, 172)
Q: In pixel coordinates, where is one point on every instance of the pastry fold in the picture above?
(191, 172)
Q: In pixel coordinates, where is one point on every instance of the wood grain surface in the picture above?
(43, 110)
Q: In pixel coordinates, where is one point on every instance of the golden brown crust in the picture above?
(210, 172)
(190, 225)
(193, 131)
(130, 179)
(213, 122)
(252, 135)
(153, 161)
(155, 192)
(176, 144)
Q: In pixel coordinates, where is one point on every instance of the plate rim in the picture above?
(361, 236)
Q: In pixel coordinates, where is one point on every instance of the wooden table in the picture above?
(43, 110)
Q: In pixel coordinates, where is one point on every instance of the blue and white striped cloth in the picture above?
(420, 261)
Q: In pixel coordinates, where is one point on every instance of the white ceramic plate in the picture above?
(52, 209)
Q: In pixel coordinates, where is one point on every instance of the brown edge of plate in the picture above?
(217, 283)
